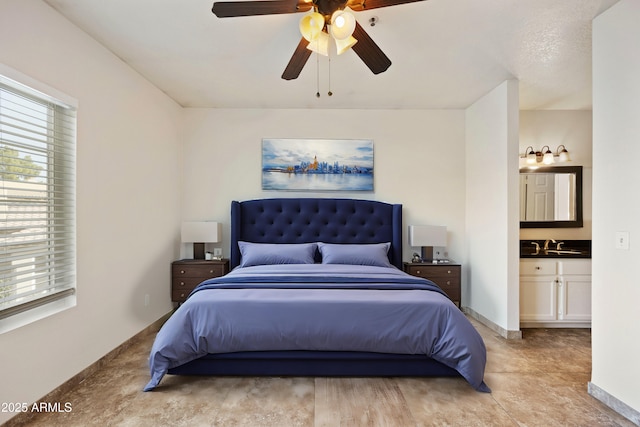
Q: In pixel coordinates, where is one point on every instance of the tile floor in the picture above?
(540, 380)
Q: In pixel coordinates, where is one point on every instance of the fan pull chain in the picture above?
(329, 74)
(317, 75)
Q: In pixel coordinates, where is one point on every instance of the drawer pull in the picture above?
(449, 272)
(448, 282)
(181, 295)
(418, 271)
(211, 271)
(181, 283)
(181, 271)
(538, 268)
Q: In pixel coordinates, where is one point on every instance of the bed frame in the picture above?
(305, 220)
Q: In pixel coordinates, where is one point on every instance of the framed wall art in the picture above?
(317, 164)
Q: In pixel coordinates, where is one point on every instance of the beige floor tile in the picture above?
(540, 380)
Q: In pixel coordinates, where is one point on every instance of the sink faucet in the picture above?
(546, 243)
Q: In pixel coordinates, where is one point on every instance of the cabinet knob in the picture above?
(181, 271)
(418, 271)
(448, 282)
(537, 267)
(181, 283)
(449, 272)
(181, 295)
(211, 271)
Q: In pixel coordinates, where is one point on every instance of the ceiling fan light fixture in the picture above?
(311, 25)
(343, 24)
(320, 44)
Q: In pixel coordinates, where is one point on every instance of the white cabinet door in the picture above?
(538, 299)
(575, 297)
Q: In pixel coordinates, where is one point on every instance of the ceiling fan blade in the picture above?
(369, 52)
(297, 61)
(360, 5)
(229, 9)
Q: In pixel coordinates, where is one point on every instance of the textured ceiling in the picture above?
(444, 53)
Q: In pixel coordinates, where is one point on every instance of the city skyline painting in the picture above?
(317, 164)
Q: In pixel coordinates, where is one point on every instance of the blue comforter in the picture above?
(319, 307)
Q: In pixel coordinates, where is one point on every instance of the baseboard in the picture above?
(556, 325)
(510, 335)
(613, 403)
(57, 395)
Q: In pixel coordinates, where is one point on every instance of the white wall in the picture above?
(128, 206)
(573, 129)
(616, 206)
(492, 227)
(418, 161)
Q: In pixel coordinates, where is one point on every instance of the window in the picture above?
(37, 199)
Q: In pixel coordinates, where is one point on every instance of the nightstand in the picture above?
(186, 274)
(447, 276)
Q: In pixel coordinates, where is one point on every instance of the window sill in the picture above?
(38, 313)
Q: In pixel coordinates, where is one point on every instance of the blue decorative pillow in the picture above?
(272, 253)
(372, 254)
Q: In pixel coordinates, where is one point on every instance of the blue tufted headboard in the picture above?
(305, 220)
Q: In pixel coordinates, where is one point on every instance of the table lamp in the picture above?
(200, 233)
(427, 236)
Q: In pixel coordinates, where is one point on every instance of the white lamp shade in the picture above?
(320, 44)
(427, 235)
(343, 45)
(547, 156)
(564, 155)
(531, 157)
(343, 23)
(311, 25)
(201, 232)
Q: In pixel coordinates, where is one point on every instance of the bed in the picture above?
(316, 288)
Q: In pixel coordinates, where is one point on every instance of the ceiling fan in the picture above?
(322, 20)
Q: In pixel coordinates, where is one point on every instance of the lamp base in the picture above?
(198, 251)
(427, 253)
(433, 253)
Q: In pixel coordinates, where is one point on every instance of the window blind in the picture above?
(37, 199)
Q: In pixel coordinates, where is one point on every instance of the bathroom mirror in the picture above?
(551, 197)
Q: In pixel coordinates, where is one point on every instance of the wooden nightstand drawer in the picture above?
(446, 276)
(187, 274)
(180, 295)
(197, 270)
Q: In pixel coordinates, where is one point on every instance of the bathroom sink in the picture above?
(555, 249)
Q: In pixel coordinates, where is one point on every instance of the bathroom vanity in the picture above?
(555, 292)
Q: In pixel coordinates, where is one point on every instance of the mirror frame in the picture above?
(577, 170)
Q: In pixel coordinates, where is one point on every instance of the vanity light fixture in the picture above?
(534, 158)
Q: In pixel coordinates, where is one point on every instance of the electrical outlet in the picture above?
(217, 252)
(622, 240)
